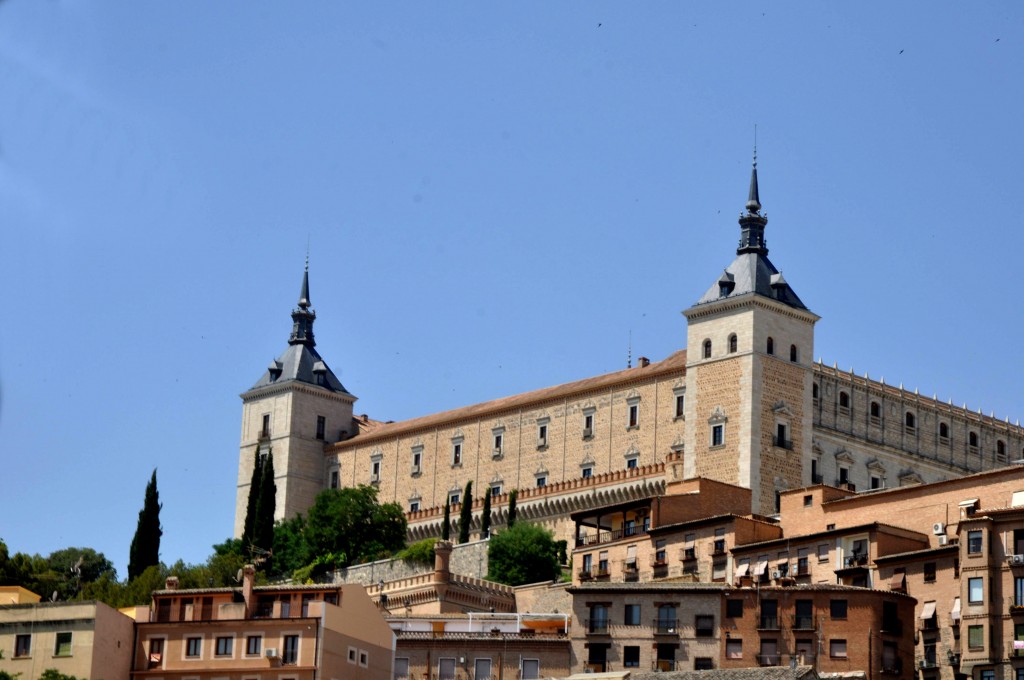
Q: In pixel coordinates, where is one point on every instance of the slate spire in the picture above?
(752, 223)
(303, 316)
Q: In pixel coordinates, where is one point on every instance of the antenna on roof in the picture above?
(629, 350)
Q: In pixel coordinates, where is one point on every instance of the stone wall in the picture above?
(468, 559)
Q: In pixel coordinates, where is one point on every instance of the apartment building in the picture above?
(263, 633)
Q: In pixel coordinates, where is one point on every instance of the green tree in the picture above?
(290, 550)
(145, 548)
(4, 675)
(350, 524)
(511, 509)
(446, 528)
(254, 497)
(485, 516)
(466, 513)
(266, 505)
(54, 674)
(420, 552)
(526, 553)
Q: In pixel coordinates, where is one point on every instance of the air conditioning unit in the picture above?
(1016, 560)
(776, 574)
(943, 540)
(271, 652)
(938, 528)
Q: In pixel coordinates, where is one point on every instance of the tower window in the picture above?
(792, 353)
(718, 435)
(680, 405)
(972, 441)
(321, 425)
(732, 343)
(844, 403)
(1000, 449)
(875, 410)
(770, 346)
(499, 443)
(334, 479)
(265, 429)
(634, 416)
(588, 425)
(457, 452)
(542, 435)
(814, 391)
(707, 349)
(910, 421)
(944, 433)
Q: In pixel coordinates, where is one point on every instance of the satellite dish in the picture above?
(53, 598)
(238, 576)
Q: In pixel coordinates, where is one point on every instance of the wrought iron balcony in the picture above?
(666, 626)
(596, 626)
(803, 623)
(768, 623)
(782, 443)
(769, 659)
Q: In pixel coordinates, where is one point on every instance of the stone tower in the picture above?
(297, 407)
(748, 373)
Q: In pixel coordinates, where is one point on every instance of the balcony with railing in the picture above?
(801, 567)
(894, 667)
(596, 626)
(630, 570)
(781, 443)
(803, 622)
(665, 626)
(769, 659)
(768, 623)
(660, 567)
(855, 561)
(688, 554)
(1015, 605)
(611, 535)
(895, 626)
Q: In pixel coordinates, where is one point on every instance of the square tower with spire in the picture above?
(750, 340)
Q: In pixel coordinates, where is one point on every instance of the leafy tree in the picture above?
(4, 675)
(254, 496)
(145, 548)
(54, 674)
(263, 526)
(70, 568)
(511, 509)
(466, 513)
(352, 525)
(526, 553)
(290, 550)
(420, 552)
(485, 516)
(446, 528)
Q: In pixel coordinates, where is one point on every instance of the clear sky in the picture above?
(496, 196)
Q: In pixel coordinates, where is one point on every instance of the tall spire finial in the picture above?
(752, 223)
(304, 293)
(303, 317)
(753, 200)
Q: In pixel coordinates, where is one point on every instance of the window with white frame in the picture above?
(456, 451)
(375, 463)
(542, 433)
(588, 471)
(680, 402)
(498, 440)
(417, 459)
(633, 413)
(588, 423)
(717, 434)
(454, 497)
(495, 489)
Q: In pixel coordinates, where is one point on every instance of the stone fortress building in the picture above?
(743, 404)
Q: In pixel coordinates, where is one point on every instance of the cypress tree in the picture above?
(446, 528)
(254, 496)
(145, 548)
(466, 513)
(485, 516)
(263, 525)
(511, 509)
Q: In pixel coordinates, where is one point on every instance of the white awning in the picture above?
(896, 582)
(928, 611)
(955, 614)
(741, 570)
(760, 568)
(969, 503)
(631, 552)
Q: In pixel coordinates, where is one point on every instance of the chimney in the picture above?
(171, 583)
(642, 362)
(248, 580)
(442, 561)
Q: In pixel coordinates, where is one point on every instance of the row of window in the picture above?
(224, 646)
(264, 432)
(529, 669)
(733, 345)
(23, 645)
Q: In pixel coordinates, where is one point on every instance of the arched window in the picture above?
(707, 349)
(771, 346)
(972, 439)
(1000, 449)
(844, 401)
(910, 420)
(732, 344)
(792, 353)
(943, 431)
(814, 390)
(876, 410)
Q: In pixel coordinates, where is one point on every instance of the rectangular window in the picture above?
(352, 654)
(718, 570)
(837, 609)
(659, 551)
(225, 645)
(22, 645)
(495, 490)
(454, 498)
(680, 405)
(290, 655)
(417, 459)
(156, 653)
(446, 669)
(456, 453)
(733, 649)
(265, 429)
(321, 425)
(414, 506)
(634, 416)
(976, 590)
(631, 657)
(632, 463)
(193, 647)
(704, 625)
(703, 663)
(929, 572)
(542, 481)
(364, 658)
(588, 472)
(531, 669)
(542, 435)
(375, 471)
(401, 669)
(499, 443)
(632, 616)
(734, 609)
(718, 435)
(837, 649)
(334, 479)
(588, 425)
(62, 645)
(253, 645)
(974, 542)
(976, 637)
(823, 552)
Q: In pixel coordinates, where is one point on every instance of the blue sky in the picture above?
(496, 196)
